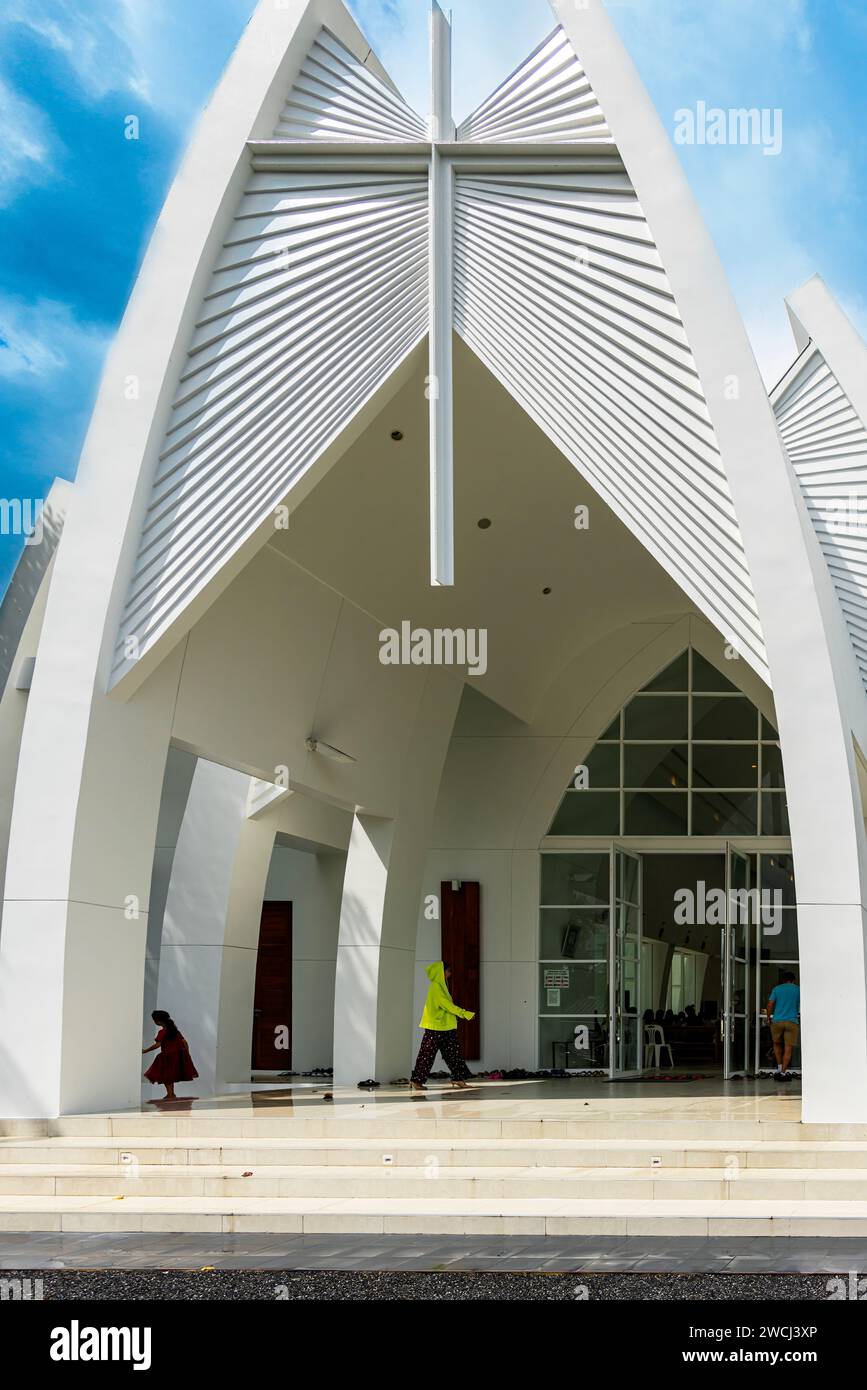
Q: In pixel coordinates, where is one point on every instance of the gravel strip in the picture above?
(415, 1286)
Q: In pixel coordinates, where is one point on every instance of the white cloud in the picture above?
(43, 339)
(160, 53)
(98, 41)
(26, 141)
(680, 39)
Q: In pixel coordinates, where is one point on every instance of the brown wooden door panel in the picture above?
(461, 949)
(272, 1002)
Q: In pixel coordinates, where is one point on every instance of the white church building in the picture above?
(439, 581)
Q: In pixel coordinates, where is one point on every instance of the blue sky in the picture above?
(78, 200)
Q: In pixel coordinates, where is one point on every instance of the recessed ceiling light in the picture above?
(397, 436)
(484, 523)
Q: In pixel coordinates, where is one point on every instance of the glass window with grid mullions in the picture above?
(574, 929)
(690, 754)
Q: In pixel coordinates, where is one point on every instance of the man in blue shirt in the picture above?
(784, 1011)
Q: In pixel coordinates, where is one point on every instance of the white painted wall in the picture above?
(314, 885)
(509, 889)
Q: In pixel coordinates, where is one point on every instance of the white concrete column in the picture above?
(21, 615)
(194, 945)
(382, 887)
(76, 899)
(359, 946)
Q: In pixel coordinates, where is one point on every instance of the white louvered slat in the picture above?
(826, 442)
(337, 98)
(320, 290)
(548, 98)
(560, 290)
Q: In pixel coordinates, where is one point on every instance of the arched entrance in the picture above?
(667, 885)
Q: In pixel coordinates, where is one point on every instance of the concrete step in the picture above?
(687, 1184)
(323, 1151)
(436, 1216)
(326, 1122)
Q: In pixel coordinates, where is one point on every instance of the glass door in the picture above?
(626, 1053)
(776, 947)
(736, 942)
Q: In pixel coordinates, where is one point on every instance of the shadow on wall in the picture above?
(14, 1082)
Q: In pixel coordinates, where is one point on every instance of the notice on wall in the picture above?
(553, 998)
(557, 977)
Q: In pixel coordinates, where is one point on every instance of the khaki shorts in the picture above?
(785, 1032)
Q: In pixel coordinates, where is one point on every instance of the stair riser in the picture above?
(383, 1224)
(179, 1157)
(331, 1126)
(525, 1156)
(321, 1186)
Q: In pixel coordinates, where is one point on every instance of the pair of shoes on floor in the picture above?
(782, 1075)
(369, 1085)
(417, 1086)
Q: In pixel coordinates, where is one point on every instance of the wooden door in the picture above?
(272, 1003)
(461, 949)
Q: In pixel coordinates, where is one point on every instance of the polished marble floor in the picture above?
(708, 1098)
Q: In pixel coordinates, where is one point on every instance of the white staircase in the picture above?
(439, 1169)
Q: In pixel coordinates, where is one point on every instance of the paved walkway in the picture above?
(598, 1254)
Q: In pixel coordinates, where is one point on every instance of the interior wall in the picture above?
(655, 973)
(508, 948)
(664, 876)
(313, 883)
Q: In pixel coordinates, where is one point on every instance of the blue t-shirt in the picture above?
(786, 1000)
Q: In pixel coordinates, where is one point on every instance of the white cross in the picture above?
(442, 507)
(440, 157)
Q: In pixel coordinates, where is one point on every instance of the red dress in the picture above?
(173, 1061)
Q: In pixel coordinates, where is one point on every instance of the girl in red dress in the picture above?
(174, 1062)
